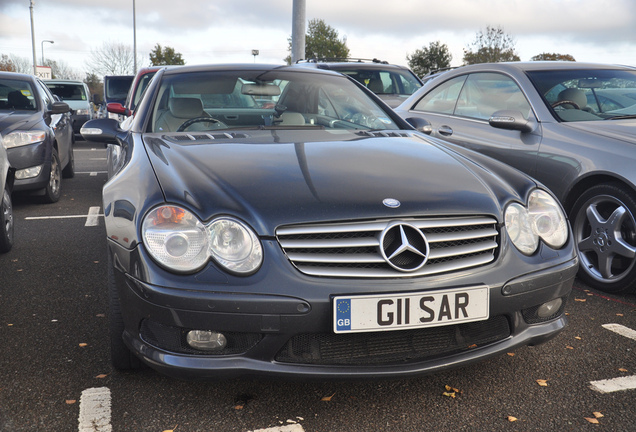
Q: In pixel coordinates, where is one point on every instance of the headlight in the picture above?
(20, 138)
(81, 112)
(180, 242)
(541, 219)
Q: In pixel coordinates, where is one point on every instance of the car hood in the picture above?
(624, 130)
(272, 178)
(14, 120)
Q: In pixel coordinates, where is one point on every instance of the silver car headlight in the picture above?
(234, 245)
(180, 242)
(541, 219)
(20, 138)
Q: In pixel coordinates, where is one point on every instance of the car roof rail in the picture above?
(342, 59)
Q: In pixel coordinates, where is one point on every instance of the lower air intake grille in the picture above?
(391, 347)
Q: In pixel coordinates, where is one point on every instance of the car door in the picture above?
(459, 109)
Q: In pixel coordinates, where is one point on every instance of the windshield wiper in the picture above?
(622, 117)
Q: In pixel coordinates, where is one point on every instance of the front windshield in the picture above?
(66, 91)
(588, 95)
(16, 95)
(201, 101)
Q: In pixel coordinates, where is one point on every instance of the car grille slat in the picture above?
(353, 249)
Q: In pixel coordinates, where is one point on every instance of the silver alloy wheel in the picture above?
(56, 177)
(605, 234)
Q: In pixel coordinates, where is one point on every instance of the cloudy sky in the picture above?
(219, 31)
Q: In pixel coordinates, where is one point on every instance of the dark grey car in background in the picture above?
(37, 133)
(283, 221)
(570, 125)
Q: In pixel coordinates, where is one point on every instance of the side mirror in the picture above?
(59, 108)
(510, 120)
(104, 130)
(117, 108)
(420, 124)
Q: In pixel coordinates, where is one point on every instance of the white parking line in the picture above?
(286, 428)
(621, 383)
(621, 330)
(93, 216)
(94, 412)
(614, 384)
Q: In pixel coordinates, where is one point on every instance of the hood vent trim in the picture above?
(201, 136)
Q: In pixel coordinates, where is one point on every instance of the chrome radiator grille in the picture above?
(360, 249)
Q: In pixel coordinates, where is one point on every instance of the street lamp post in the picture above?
(49, 41)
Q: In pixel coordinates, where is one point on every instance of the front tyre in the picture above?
(121, 357)
(6, 222)
(52, 191)
(604, 226)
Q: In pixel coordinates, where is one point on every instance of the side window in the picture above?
(485, 93)
(45, 96)
(443, 98)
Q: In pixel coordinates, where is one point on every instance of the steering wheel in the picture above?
(566, 102)
(190, 122)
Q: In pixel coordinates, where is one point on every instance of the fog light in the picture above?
(549, 308)
(28, 172)
(205, 340)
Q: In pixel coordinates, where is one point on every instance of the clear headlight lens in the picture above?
(235, 246)
(541, 219)
(180, 242)
(20, 138)
(175, 238)
(81, 112)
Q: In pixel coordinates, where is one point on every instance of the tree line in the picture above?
(321, 42)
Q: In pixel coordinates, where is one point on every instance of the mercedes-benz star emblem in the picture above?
(404, 247)
(391, 203)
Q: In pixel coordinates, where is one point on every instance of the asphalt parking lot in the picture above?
(55, 372)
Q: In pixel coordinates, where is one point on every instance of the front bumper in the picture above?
(28, 156)
(291, 335)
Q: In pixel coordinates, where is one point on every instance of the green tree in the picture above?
(552, 57)
(321, 41)
(95, 85)
(493, 45)
(165, 56)
(434, 57)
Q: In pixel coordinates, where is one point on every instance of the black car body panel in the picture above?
(277, 179)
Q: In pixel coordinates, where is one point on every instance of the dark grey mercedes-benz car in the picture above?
(282, 221)
(570, 125)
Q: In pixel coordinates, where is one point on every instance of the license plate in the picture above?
(380, 312)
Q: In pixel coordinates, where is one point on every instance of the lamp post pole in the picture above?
(35, 61)
(49, 41)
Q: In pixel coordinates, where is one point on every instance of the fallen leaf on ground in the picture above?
(569, 347)
(512, 419)
(449, 394)
(327, 398)
(239, 407)
(83, 344)
(619, 314)
(591, 420)
(100, 376)
(580, 300)
(70, 401)
(511, 354)
(598, 414)
(542, 382)
(622, 370)
(578, 337)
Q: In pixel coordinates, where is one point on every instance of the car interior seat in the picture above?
(575, 95)
(179, 111)
(17, 100)
(376, 85)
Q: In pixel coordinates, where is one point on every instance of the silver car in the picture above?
(570, 125)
